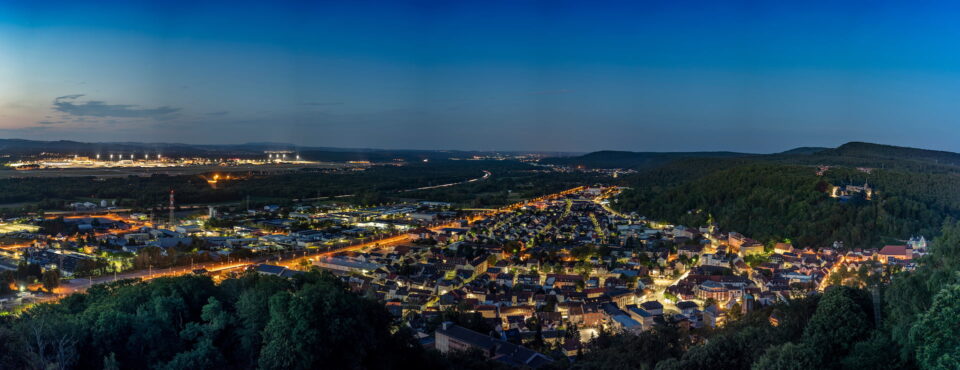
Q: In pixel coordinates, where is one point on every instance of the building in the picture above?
(451, 337)
(900, 252)
(750, 248)
(341, 264)
(713, 289)
(847, 191)
(274, 270)
(421, 233)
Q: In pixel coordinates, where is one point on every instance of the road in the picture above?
(486, 175)
(288, 259)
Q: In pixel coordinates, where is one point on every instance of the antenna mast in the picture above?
(171, 207)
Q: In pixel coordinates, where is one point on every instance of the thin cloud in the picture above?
(94, 108)
(220, 113)
(49, 122)
(321, 104)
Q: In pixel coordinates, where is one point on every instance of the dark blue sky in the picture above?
(757, 76)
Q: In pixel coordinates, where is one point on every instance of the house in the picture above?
(653, 307)
(751, 248)
(620, 320)
(345, 264)
(421, 233)
(451, 337)
(782, 248)
(900, 252)
(265, 269)
(188, 229)
(424, 216)
(687, 307)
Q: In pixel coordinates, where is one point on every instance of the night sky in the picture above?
(752, 76)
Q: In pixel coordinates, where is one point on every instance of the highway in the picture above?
(486, 175)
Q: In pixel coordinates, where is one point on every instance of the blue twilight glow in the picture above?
(520, 74)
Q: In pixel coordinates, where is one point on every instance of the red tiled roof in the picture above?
(894, 250)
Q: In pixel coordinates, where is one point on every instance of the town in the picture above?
(545, 275)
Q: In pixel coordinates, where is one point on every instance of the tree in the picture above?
(204, 354)
(788, 356)
(189, 322)
(936, 334)
(15, 352)
(110, 362)
(51, 279)
(735, 349)
(735, 312)
(27, 273)
(629, 351)
(839, 322)
(878, 353)
(910, 294)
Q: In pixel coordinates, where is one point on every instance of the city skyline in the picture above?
(531, 76)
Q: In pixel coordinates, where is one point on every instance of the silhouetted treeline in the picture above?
(309, 322)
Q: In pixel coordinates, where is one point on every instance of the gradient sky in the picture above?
(754, 76)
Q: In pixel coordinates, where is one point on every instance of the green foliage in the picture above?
(788, 356)
(874, 353)
(755, 260)
(773, 200)
(733, 350)
(51, 279)
(190, 323)
(635, 160)
(840, 321)
(630, 351)
(911, 294)
(936, 334)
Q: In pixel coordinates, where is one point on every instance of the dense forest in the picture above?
(634, 160)
(783, 197)
(309, 322)
(919, 327)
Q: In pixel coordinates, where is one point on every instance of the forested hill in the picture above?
(635, 160)
(806, 150)
(878, 151)
(787, 197)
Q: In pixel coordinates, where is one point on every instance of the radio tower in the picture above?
(171, 207)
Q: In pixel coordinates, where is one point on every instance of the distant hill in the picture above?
(776, 196)
(635, 160)
(853, 153)
(879, 151)
(804, 150)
